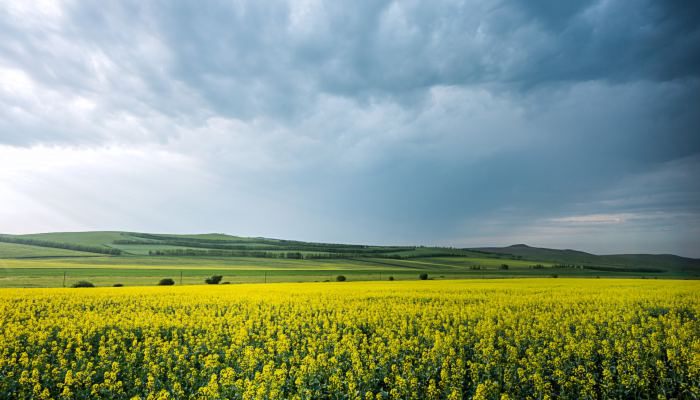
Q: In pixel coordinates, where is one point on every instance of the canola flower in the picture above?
(492, 339)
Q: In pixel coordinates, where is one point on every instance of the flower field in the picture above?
(485, 339)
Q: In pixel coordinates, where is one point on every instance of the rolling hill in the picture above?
(621, 261)
(134, 258)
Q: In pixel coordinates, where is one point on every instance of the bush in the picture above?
(504, 266)
(340, 278)
(214, 280)
(117, 285)
(391, 278)
(82, 284)
(555, 276)
(226, 283)
(423, 276)
(166, 282)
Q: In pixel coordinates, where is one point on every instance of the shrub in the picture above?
(423, 276)
(226, 283)
(555, 276)
(214, 280)
(504, 266)
(340, 278)
(117, 285)
(166, 282)
(391, 278)
(82, 284)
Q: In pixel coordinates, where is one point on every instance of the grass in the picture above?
(103, 238)
(13, 250)
(34, 266)
(34, 273)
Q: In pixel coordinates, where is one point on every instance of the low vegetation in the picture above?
(213, 280)
(82, 284)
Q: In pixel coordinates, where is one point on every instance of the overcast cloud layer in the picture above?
(554, 123)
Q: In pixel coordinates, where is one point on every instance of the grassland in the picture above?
(20, 251)
(144, 259)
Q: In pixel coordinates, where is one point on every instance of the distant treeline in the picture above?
(289, 255)
(266, 245)
(271, 242)
(624, 269)
(185, 243)
(59, 245)
(495, 255)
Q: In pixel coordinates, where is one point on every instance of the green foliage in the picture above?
(166, 282)
(340, 278)
(82, 284)
(423, 276)
(213, 280)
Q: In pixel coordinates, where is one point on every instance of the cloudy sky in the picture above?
(571, 124)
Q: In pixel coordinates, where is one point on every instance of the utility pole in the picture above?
(180, 277)
(265, 276)
(64, 278)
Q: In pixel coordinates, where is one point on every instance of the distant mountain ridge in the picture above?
(576, 257)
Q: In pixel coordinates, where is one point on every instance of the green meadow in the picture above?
(58, 259)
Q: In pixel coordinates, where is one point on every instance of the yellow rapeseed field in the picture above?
(489, 339)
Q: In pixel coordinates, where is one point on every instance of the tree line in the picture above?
(298, 247)
(295, 255)
(60, 245)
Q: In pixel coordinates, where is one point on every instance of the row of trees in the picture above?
(259, 247)
(257, 244)
(295, 255)
(215, 280)
(59, 245)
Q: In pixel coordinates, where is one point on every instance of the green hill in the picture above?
(134, 258)
(14, 250)
(639, 262)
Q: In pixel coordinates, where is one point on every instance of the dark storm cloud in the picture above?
(400, 122)
(398, 49)
(249, 59)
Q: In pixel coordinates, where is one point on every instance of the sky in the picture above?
(566, 124)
